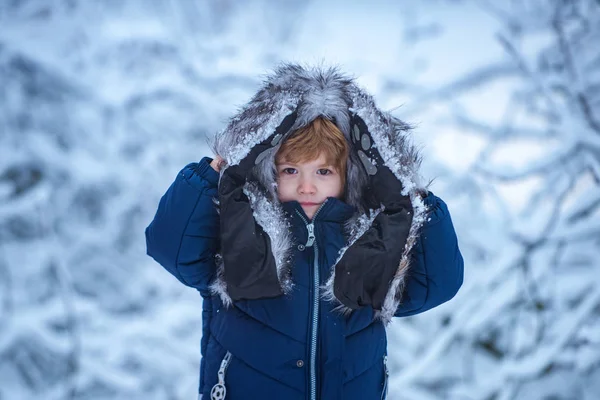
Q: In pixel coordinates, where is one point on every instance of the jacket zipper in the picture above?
(310, 227)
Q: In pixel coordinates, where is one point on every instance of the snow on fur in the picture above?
(219, 286)
(271, 218)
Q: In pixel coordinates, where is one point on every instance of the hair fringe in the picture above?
(320, 137)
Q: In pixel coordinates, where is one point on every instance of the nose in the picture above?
(306, 186)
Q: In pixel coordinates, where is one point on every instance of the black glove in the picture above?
(383, 185)
(364, 274)
(250, 271)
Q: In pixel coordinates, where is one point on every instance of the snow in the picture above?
(102, 103)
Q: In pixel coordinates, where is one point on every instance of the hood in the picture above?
(315, 92)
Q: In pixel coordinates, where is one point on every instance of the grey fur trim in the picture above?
(315, 92)
(271, 217)
(393, 297)
(219, 286)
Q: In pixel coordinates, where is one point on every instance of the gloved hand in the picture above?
(364, 274)
(384, 186)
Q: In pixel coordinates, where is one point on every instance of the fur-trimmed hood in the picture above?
(315, 92)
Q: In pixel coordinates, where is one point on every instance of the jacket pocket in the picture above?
(386, 374)
(219, 391)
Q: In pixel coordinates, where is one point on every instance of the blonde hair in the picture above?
(321, 136)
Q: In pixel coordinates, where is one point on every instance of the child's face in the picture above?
(308, 183)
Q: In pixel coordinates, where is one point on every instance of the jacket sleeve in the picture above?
(183, 237)
(437, 267)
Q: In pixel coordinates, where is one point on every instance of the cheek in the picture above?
(335, 188)
(284, 190)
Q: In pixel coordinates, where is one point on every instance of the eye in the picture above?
(289, 171)
(324, 171)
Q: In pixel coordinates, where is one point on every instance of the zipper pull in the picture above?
(311, 234)
(219, 390)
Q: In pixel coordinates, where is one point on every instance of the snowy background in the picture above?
(101, 103)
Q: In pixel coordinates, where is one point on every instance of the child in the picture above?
(321, 235)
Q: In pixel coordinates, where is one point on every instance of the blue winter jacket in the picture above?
(293, 346)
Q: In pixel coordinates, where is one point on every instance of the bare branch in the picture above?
(540, 168)
(587, 112)
(522, 65)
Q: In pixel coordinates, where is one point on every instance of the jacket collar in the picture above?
(332, 210)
